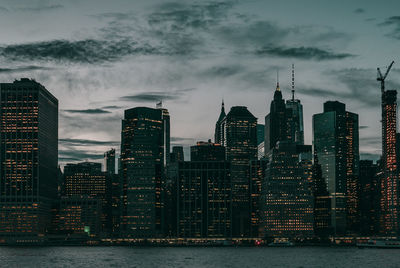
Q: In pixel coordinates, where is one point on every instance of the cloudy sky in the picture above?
(100, 57)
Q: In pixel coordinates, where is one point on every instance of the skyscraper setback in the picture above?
(28, 157)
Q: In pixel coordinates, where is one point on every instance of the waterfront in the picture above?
(197, 257)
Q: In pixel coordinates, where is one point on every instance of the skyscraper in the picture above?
(257, 175)
(109, 158)
(204, 193)
(28, 157)
(389, 219)
(285, 120)
(336, 144)
(218, 136)
(239, 129)
(144, 147)
(287, 202)
(207, 151)
(275, 121)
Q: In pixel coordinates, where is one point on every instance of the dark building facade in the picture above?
(257, 175)
(389, 207)
(86, 180)
(177, 154)
(144, 153)
(336, 144)
(109, 159)
(218, 135)
(28, 157)
(207, 151)
(275, 122)
(369, 197)
(239, 129)
(322, 203)
(204, 199)
(287, 198)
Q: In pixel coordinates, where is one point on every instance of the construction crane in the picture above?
(382, 78)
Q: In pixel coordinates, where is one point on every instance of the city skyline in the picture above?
(192, 55)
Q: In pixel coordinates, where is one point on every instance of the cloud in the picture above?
(306, 53)
(40, 8)
(82, 51)
(3, 9)
(222, 71)
(363, 127)
(355, 84)
(84, 142)
(156, 96)
(393, 22)
(78, 155)
(24, 69)
(369, 156)
(112, 107)
(89, 111)
(359, 11)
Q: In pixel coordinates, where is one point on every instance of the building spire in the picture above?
(292, 82)
(223, 106)
(277, 80)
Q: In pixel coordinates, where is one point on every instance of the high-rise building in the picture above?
(257, 175)
(275, 121)
(109, 158)
(28, 157)
(322, 203)
(336, 144)
(204, 194)
(287, 203)
(295, 128)
(207, 151)
(285, 120)
(87, 180)
(389, 211)
(239, 129)
(144, 147)
(369, 197)
(177, 154)
(218, 136)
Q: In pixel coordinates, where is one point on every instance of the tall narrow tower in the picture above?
(218, 130)
(389, 182)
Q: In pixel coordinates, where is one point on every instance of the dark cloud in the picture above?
(112, 107)
(178, 16)
(89, 111)
(359, 11)
(78, 155)
(23, 69)
(83, 51)
(3, 9)
(40, 8)
(393, 22)
(355, 84)
(363, 127)
(223, 71)
(83, 142)
(305, 53)
(156, 96)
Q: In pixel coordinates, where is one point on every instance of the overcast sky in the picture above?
(102, 57)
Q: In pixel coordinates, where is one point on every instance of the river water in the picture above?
(197, 257)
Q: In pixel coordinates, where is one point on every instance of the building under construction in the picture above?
(389, 212)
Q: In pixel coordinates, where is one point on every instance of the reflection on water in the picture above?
(197, 257)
